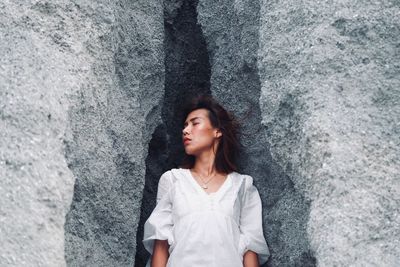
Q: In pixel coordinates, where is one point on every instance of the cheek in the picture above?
(201, 133)
(204, 137)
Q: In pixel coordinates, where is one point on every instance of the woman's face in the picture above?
(198, 129)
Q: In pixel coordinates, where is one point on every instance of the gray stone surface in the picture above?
(80, 88)
(330, 104)
(231, 29)
(80, 85)
(39, 72)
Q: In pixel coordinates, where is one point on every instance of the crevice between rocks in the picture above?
(187, 72)
(92, 232)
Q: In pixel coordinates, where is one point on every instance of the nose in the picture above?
(184, 131)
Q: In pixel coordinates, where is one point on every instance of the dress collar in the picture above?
(217, 194)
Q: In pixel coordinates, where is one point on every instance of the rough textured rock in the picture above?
(80, 87)
(112, 125)
(83, 94)
(330, 104)
(40, 71)
(231, 29)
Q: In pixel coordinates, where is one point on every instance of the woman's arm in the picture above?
(160, 253)
(250, 259)
(252, 243)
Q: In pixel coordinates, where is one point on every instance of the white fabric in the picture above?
(206, 230)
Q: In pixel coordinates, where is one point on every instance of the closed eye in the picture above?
(193, 124)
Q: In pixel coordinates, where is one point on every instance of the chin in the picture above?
(190, 152)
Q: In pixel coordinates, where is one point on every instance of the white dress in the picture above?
(206, 230)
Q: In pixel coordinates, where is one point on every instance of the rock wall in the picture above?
(330, 98)
(90, 94)
(41, 69)
(112, 125)
(81, 83)
(231, 29)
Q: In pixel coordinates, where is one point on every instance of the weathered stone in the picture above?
(81, 83)
(330, 104)
(83, 95)
(231, 29)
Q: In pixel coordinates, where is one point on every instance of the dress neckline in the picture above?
(199, 188)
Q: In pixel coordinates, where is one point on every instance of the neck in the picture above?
(204, 163)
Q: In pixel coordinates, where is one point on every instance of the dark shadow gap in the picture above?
(187, 72)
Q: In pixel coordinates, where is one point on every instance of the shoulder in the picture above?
(165, 183)
(172, 175)
(165, 179)
(243, 179)
(166, 176)
(243, 182)
(248, 180)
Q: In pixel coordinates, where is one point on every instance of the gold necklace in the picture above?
(205, 183)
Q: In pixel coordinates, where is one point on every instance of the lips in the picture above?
(186, 140)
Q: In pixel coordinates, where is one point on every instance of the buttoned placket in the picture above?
(210, 200)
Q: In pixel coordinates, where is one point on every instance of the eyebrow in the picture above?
(192, 119)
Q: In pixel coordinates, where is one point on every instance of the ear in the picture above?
(218, 134)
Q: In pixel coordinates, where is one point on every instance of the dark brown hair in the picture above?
(229, 145)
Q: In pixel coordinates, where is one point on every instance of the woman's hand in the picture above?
(160, 253)
(250, 259)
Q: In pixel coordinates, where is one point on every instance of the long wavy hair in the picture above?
(229, 145)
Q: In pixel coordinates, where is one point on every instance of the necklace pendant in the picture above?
(205, 186)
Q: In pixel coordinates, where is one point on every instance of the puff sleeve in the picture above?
(159, 224)
(251, 229)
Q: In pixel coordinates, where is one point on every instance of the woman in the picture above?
(207, 213)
